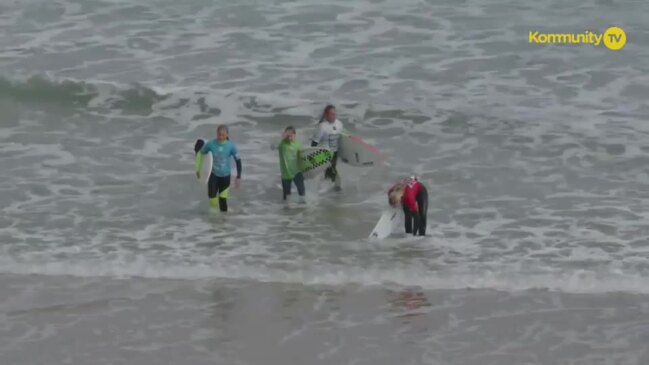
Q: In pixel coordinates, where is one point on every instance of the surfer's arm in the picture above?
(237, 159)
(199, 156)
(206, 148)
(238, 162)
(199, 161)
(317, 136)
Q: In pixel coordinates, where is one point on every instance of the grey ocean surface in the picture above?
(536, 158)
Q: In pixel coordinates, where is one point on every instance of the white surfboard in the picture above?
(206, 168)
(354, 151)
(385, 225)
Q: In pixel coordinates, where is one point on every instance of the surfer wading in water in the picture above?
(412, 195)
(327, 135)
(289, 163)
(218, 186)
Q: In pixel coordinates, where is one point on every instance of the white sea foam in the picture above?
(575, 281)
(529, 153)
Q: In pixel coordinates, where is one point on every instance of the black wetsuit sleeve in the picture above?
(238, 161)
(198, 145)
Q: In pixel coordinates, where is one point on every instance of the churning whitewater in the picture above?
(534, 156)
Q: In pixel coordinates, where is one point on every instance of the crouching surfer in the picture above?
(412, 195)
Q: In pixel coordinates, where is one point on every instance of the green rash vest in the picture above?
(289, 160)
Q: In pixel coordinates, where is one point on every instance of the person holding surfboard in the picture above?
(222, 150)
(327, 135)
(289, 163)
(412, 195)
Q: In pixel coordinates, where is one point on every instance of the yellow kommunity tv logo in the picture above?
(614, 38)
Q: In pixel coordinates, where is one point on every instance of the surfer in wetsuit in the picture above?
(289, 163)
(327, 135)
(219, 182)
(413, 197)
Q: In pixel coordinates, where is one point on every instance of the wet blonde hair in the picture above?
(394, 196)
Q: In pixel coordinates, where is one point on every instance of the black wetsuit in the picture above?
(416, 222)
(217, 185)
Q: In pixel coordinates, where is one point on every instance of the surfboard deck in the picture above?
(206, 168)
(386, 224)
(206, 165)
(354, 151)
(315, 160)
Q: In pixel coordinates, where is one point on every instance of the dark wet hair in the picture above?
(290, 128)
(325, 111)
(225, 128)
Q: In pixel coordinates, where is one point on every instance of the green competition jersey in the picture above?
(289, 161)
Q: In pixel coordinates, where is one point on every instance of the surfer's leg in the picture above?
(334, 170)
(422, 203)
(224, 192)
(213, 190)
(415, 223)
(331, 171)
(407, 218)
(299, 183)
(286, 187)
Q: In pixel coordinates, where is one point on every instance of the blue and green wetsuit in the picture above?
(219, 181)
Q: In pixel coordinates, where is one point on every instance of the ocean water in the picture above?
(535, 157)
